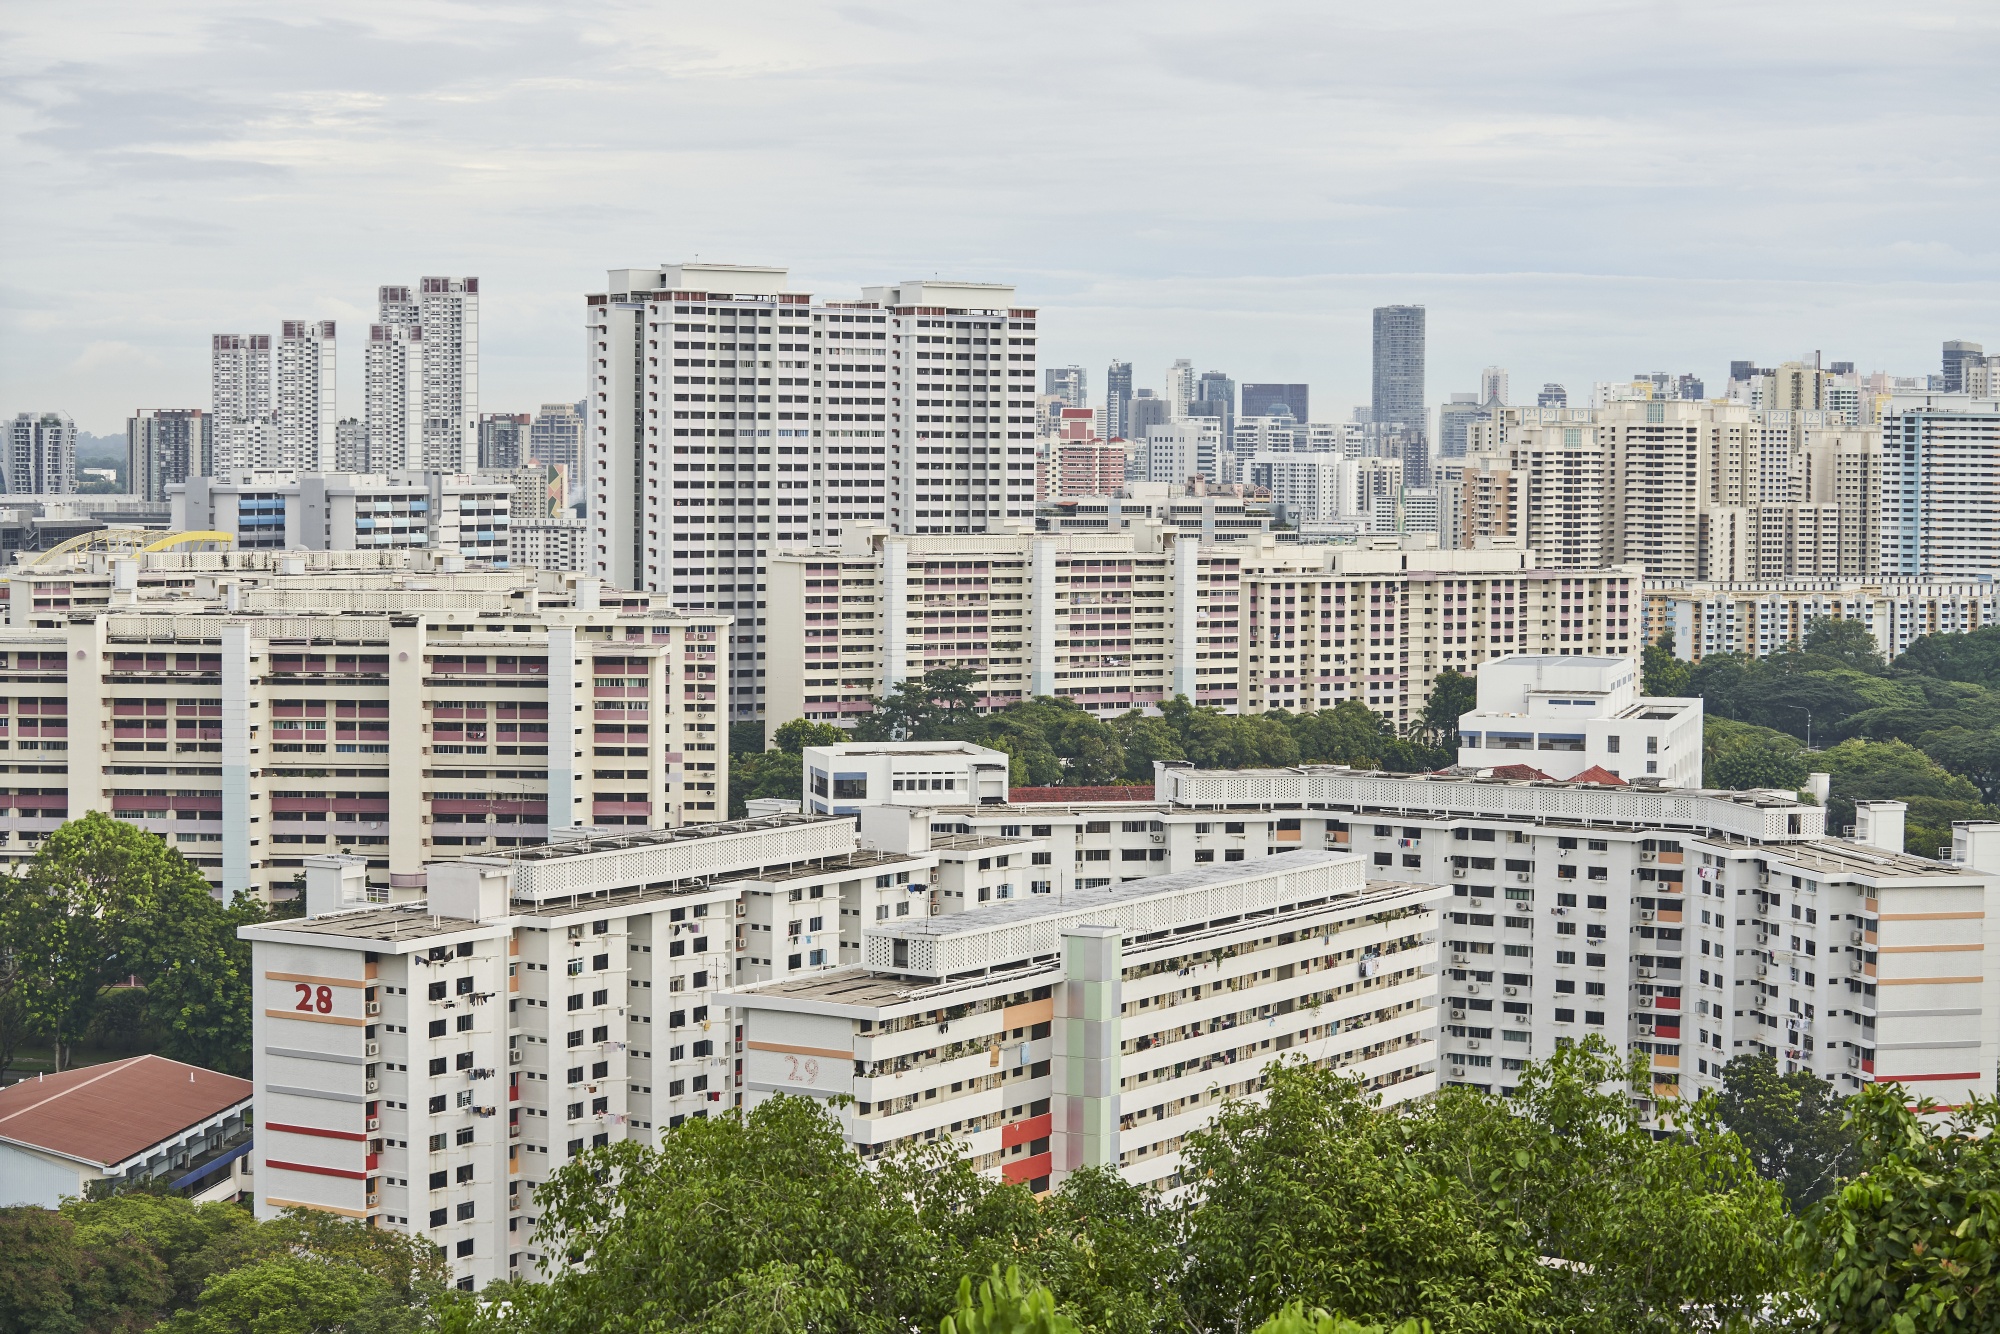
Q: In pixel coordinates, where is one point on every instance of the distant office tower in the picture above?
(1493, 385)
(555, 440)
(1956, 354)
(1069, 383)
(1399, 367)
(448, 314)
(1689, 389)
(350, 445)
(1552, 396)
(41, 454)
(165, 445)
(956, 456)
(1183, 450)
(504, 439)
(240, 396)
(306, 406)
(1117, 393)
(1463, 409)
(1215, 396)
(1180, 388)
(394, 375)
(1144, 411)
(1264, 400)
(1841, 367)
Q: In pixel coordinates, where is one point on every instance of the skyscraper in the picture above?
(1399, 368)
(1180, 388)
(1068, 383)
(239, 396)
(393, 371)
(306, 407)
(350, 445)
(1117, 393)
(1454, 416)
(1493, 386)
(504, 439)
(41, 454)
(1264, 400)
(448, 314)
(555, 439)
(1145, 411)
(1553, 395)
(1956, 354)
(165, 445)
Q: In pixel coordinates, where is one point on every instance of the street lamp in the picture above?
(1808, 713)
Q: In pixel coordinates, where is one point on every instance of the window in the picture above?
(1595, 901)
(1611, 745)
(439, 1180)
(1593, 1017)
(1565, 1016)
(439, 1217)
(1565, 987)
(852, 789)
(465, 1247)
(438, 1065)
(1384, 859)
(1232, 826)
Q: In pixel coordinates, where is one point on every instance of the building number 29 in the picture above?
(313, 998)
(808, 1075)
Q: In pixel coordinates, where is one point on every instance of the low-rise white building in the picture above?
(841, 779)
(1575, 716)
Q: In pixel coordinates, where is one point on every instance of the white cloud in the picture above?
(1577, 190)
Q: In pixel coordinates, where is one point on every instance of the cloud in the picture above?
(1578, 190)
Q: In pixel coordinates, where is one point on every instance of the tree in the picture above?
(1897, 771)
(72, 920)
(1792, 1125)
(1348, 733)
(1006, 1305)
(1664, 675)
(1913, 1242)
(1452, 696)
(1848, 642)
(296, 1296)
(746, 738)
(796, 735)
(1742, 755)
(41, 1270)
(1295, 1319)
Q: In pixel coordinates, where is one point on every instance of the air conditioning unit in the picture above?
(1518, 1020)
(1854, 1062)
(1856, 938)
(371, 1049)
(1473, 1043)
(1645, 856)
(514, 1056)
(1525, 877)
(1854, 964)
(1472, 988)
(375, 1007)
(1644, 971)
(1459, 873)
(1458, 1014)
(1564, 852)
(1647, 914)
(1458, 958)
(1763, 970)
(374, 1123)
(1512, 991)
(371, 1085)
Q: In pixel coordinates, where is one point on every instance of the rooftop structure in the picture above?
(1581, 715)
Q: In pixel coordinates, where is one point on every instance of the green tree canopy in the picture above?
(1792, 1125)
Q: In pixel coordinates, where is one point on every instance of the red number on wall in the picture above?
(305, 995)
(323, 1000)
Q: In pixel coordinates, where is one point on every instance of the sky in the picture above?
(1575, 191)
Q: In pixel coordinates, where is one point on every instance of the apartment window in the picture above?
(1593, 1017)
(1611, 745)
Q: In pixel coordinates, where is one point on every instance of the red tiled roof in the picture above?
(1597, 773)
(104, 1114)
(1520, 771)
(1137, 792)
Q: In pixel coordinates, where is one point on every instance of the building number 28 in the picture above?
(311, 998)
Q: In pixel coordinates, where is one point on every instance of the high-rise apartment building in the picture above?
(1940, 512)
(1117, 394)
(1764, 616)
(240, 397)
(1552, 396)
(350, 445)
(1071, 384)
(1143, 411)
(1493, 386)
(306, 402)
(256, 708)
(1266, 400)
(394, 374)
(1180, 389)
(912, 407)
(1183, 450)
(555, 440)
(448, 314)
(1455, 416)
(1127, 619)
(41, 454)
(504, 439)
(167, 445)
(1398, 397)
(1957, 354)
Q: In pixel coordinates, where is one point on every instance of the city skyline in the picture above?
(226, 202)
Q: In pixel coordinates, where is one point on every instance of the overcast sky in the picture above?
(1576, 191)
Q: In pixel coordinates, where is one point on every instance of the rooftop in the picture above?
(1835, 857)
(1031, 795)
(648, 838)
(105, 1115)
(856, 861)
